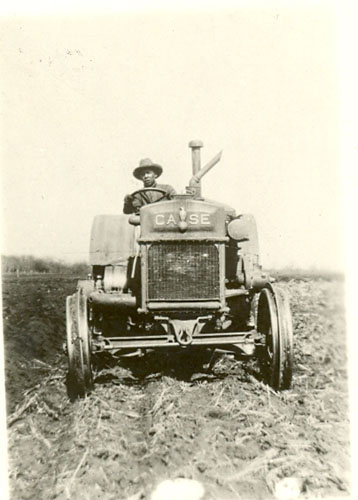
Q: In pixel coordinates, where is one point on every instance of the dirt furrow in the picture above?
(164, 415)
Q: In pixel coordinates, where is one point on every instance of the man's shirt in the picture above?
(133, 204)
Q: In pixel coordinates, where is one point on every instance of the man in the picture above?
(148, 172)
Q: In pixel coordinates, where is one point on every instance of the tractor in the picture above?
(184, 273)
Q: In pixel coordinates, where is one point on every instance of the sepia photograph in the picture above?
(175, 292)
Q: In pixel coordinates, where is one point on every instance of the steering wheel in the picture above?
(143, 192)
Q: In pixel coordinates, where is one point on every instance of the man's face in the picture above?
(148, 178)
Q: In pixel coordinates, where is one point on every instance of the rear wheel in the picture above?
(80, 380)
(274, 323)
(286, 336)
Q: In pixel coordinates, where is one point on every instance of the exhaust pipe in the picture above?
(196, 165)
(198, 172)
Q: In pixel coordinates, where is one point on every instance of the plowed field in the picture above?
(164, 416)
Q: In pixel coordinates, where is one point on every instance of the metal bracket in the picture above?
(184, 330)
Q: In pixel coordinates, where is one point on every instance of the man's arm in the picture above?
(170, 190)
(128, 205)
(131, 205)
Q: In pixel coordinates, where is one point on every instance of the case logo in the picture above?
(182, 219)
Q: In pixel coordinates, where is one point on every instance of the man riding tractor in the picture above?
(148, 172)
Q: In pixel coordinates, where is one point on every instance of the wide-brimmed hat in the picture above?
(146, 164)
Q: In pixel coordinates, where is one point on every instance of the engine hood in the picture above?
(183, 218)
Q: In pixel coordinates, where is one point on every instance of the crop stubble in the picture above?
(163, 416)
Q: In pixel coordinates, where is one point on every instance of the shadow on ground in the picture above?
(194, 365)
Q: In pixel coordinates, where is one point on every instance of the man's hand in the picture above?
(190, 190)
(128, 204)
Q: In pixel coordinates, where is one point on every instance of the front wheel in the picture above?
(80, 379)
(274, 323)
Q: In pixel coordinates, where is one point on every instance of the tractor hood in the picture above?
(183, 218)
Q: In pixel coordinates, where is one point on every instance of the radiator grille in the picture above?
(183, 271)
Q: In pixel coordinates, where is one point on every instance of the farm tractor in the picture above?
(184, 273)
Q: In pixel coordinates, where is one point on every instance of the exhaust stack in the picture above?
(198, 172)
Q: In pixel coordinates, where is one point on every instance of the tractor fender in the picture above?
(112, 241)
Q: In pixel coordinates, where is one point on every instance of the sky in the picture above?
(85, 96)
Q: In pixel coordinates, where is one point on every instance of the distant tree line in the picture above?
(30, 264)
